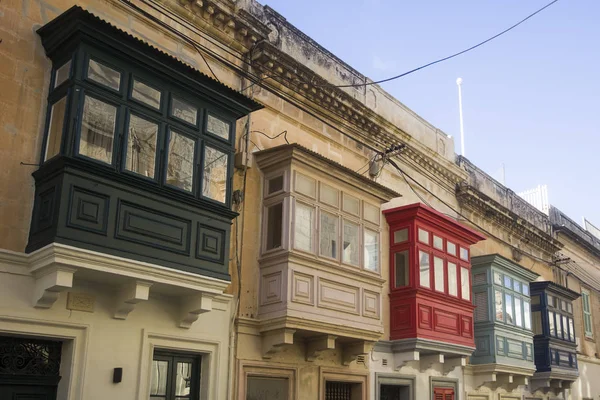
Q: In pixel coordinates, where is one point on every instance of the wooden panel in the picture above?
(338, 297)
(371, 304)
(425, 317)
(446, 322)
(483, 346)
(152, 227)
(402, 318)
(88, 210)
(514, 348)
(210, 243)
(270, 288)
(303, 288)
(466, 328)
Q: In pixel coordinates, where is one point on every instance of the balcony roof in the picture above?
(490, 260)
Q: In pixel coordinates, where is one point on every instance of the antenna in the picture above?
(459, 82)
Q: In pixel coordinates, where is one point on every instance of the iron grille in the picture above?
(20, 356)
(338, 391)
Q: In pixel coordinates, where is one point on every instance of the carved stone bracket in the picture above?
(192, 306)
(403, 358)
(129, 295)
(50, 283)
(495, 380)
(451, 363)
(315, 347)
(274, 341)
(429, 360)
(353, 350)
(556, 386)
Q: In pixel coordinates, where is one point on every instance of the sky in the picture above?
(531, 98)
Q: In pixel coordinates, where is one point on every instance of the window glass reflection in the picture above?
(214, 184)
(104, 75)
(141, 146)
(55, 129)
(424, 269)
(97, 130)
(180, 168)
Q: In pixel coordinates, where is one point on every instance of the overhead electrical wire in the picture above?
(448, 57)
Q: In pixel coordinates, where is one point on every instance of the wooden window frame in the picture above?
(586, 298)
(173, 357)
(266, 370)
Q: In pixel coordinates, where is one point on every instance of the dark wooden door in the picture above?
(394, 392)
(29, 368)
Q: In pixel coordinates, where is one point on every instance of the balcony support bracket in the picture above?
(451, 363)
(192, 306)
(405, 357)
(129, 295)
(49, 283)
(353, 350)
(315, 347)
(274, 341)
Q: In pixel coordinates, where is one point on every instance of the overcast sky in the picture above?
(531, 98)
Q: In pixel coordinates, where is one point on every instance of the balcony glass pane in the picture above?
(518, 312)
(328, 235)
(303, 227)
(464, 254)
(275, 184)
(536, 319)
(451, 248)
(527, 314)
(214, 179)
(274, 226)
(97, 130)
(507, 282)
(183, 379)
(401, 236)
(141, 146)
(350, 251)
(438, 242)
(498, 301)
(565, 326)
(526, 289)
(438, 271)
(217, 127)
(329, 195)
(571, 330)
(551, 326)
(62, 74)
(452, 279)
(146, 94)
(401, 268)
(104, 75)
(158, 384)
(423, 236)
(517, 286)
(465, 284)
(550, 301)
(497, 278)
(184, 111)
(351, 204)
(306, 185)
(424, 269)
(508, 302)
(55, 128)
(371, 250)
(559, 330)
(180, 167)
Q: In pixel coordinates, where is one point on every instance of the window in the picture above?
(451, 248)
(497, 278)
(587, 314)
(571, 330)
(350, 243)
(303, 227)
(371, 250)
(527, 314)
(518, 309)
(401, 269)
(499, 305)
(175, 376)
(214, 182)
(141, 146)
(329, 195)
(424, 269)
(508, 302)
(275, 184)
(274, 226)
(423, 236)
(452, 279)
(438, 271)
(257, 387)
(97, 130)
(124, 124)
(464, 254)
(438, 242)
(329, 232)
(401, 236)
(465, 286)
(551, 325)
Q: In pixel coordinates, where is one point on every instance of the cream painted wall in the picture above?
(102, 343)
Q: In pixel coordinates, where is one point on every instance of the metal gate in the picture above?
(338, 391)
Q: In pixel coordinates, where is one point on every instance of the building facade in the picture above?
(192, 208)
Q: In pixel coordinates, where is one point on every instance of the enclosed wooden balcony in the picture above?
(320, 273)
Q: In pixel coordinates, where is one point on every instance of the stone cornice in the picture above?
(531, 234)
(366, 124)
(562, 223)
(502, 368)
(232, 26)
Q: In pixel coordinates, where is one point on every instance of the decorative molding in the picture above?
(504, 263)
(273, 341)
(129, 295)
(494, 376)
(531, 234)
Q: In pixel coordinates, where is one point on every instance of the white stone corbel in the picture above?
(520, 380)
(353, 350)
(192, 306)
(405, 357)
(129, 295)
(50, 283)
(427, 361)
(451, 363)
(274, 341)
(316, 346)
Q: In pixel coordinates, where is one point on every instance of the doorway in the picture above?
(394, 392)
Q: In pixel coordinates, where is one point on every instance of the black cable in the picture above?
(449, 57)
(206, 62)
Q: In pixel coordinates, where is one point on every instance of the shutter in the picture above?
(481, 304)
(443, 394)
(479, 279)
